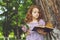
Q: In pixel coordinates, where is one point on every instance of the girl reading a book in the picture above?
(34, 19)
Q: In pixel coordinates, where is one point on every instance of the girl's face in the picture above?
(35, 13)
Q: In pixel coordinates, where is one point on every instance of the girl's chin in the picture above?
(35, 17)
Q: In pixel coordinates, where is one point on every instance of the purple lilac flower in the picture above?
(24, 28)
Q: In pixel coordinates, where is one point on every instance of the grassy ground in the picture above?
(11, 36)
(10, 39)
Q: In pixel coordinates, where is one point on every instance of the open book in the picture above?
(44, 28)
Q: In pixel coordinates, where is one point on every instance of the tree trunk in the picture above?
(51, 9)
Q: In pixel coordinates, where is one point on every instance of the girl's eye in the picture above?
(34, 12)
(38, 12)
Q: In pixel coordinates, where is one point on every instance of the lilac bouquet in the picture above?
(24, 28)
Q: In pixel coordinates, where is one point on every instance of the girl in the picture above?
(34, 19)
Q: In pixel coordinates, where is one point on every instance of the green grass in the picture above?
(10, 39)
(1, 39)
(11, 36)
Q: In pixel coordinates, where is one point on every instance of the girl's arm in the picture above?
(28, 32)
(41, 24)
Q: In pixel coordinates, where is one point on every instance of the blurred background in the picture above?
(13, 13)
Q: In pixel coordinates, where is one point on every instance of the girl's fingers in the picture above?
(41, 32)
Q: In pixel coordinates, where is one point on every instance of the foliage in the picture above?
(14, 12)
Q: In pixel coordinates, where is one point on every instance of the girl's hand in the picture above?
(28, 32)
(41, 31)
